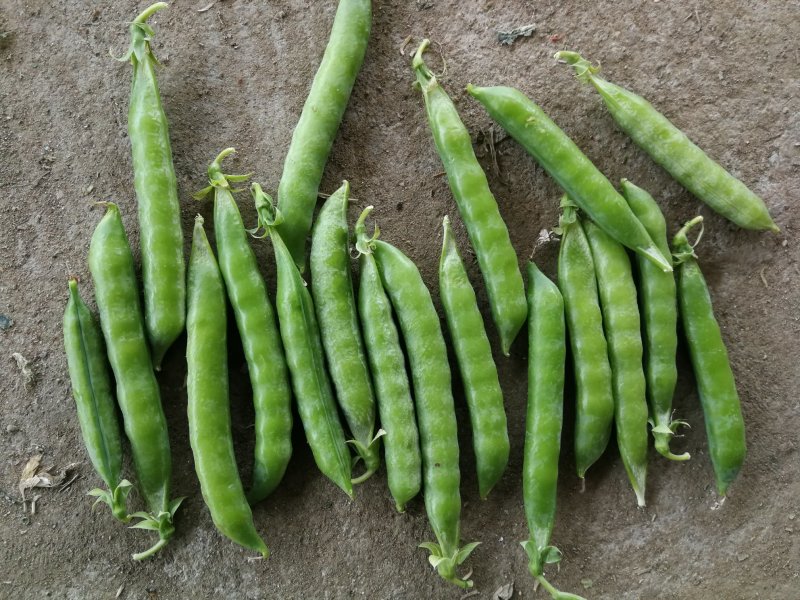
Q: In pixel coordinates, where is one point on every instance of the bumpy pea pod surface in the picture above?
(117, 294)
(161, 236)
(335, 303)
(430, 374)
(547, 352)
(622, 326)
(208, 403)
(586, 186)
(97, 411)
(476, 204)
(712, 369)
(476, 365)
(322, 113)
(258, 330)
(388, 366)
(660, 321)
(304, 356)
(675, 152)
(594, 397)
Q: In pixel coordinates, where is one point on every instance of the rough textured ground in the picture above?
(237, 74)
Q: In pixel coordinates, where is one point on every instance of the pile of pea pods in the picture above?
(337, 348)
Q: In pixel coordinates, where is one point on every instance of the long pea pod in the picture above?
(622, 327)
(305, 357)
(322, 113)
(594, 397)
(161, 235)
(712, 369)
(117, 294)
(258, 330)
(476, 365)
(660, 322)
(547, 351)
(586, 186)
(388, 367)
(94, 400)
(337, 314)
(487, 231)
(674, 151)
(208, 401)
(430, 374)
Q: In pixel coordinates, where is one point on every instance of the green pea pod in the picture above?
(161, 235)
(208, 404)
(337, 314)
(476, 365)
(305, 357)
(712, 369)
(117, 294)
(430, 374)
(586, 186)
(388, 367)
(255, 319)
(622, 327)
(322, 113)
(487, 231)
(660, 321)
(674, 151)
(594, 397)
(547, 350)
(97, 411)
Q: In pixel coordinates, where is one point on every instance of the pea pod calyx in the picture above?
(162, 523)
(141, 34)
(446, 565)
(117, 499)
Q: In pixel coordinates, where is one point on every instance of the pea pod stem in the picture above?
(669, 147)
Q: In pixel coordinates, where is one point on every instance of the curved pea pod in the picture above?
(675, 152)
(97, 411)
(430, 375)
(660, 321)
(161, 235)
(476, 365)
(622, 327)
(594, 397)
(304, 356)
(388, 367)
(547, 351)
(335, 304)
(208, 403)
(322, 113)
(487, 231)
(138, 395)
(586, 186)
(258, 330)
(712, 370)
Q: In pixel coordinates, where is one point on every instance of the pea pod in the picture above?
(208, 403)
(304, 356)
(322, 113)
(674, 151)
(97, 411)
(660, 321)
(622, 327)
(117, 294)
(547, 350)
(586, 186)
(594, 397)
(712, 370)
(430, 374)
(161, 235)
(255, 319)
(388, 367)
(488, 233)
(476, 365)
(337, 314)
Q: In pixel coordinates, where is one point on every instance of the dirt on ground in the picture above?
(235, 73)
